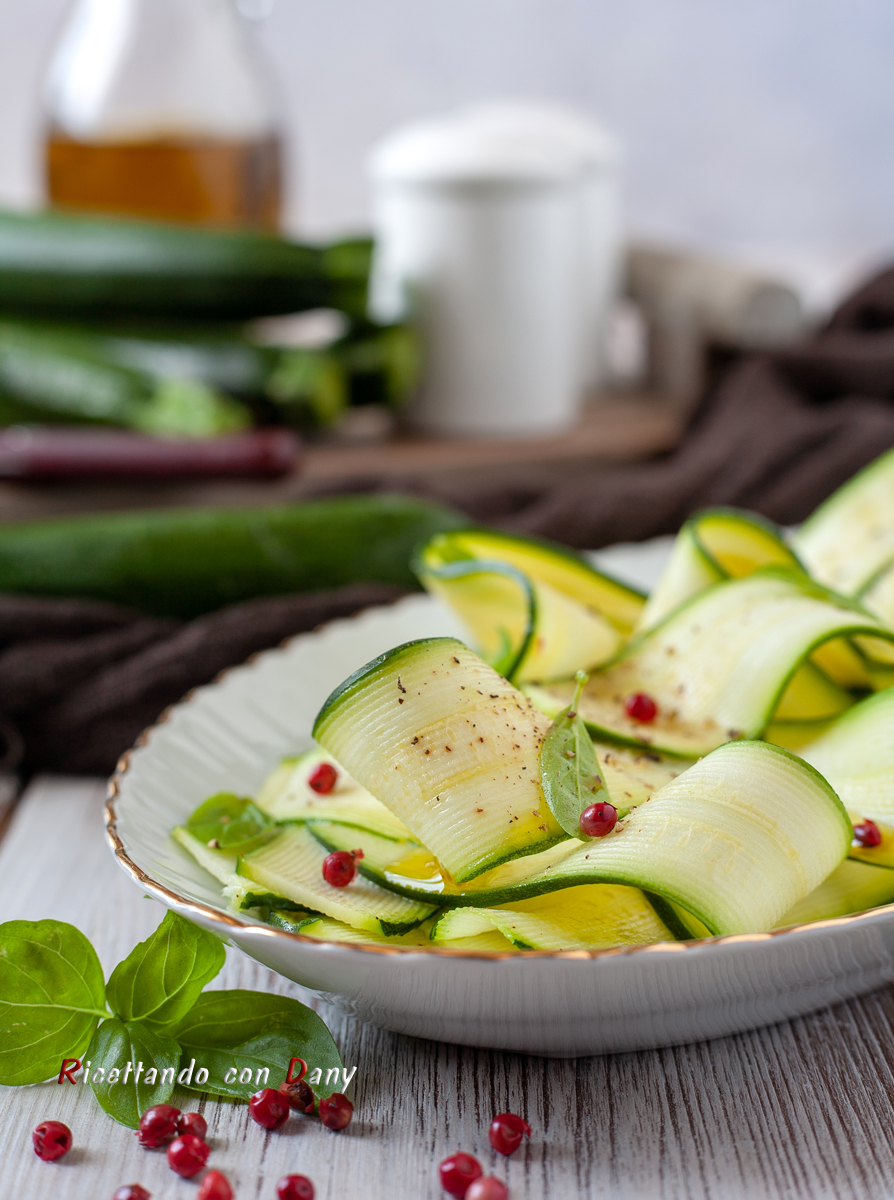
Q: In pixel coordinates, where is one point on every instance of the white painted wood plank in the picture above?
(799, 1111)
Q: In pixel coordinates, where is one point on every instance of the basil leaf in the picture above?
(235, 824)
(52, 994)
(160, 980)
(569, 768)
(134, 1051)
(252, 1031)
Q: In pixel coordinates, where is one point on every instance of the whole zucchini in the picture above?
(86, 267)
(177, 380)
(183, 562)
(52, 374)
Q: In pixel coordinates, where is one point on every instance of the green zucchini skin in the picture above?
(856, 755)
(54, 373)
(717, 845)
(736, 645)
(184, 562)
(110, 372)
(217, 355)
(85, 267)
(450, 747)
(713, 545)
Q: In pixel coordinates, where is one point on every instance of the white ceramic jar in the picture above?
(597, 156)
(480, 238)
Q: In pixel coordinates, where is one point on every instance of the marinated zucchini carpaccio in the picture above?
(725, 765)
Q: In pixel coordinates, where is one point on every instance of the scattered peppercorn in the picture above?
(187, 1155)
(51, 1140)
(336, 1111)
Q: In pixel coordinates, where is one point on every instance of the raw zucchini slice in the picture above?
(735, 841)
(718, 666)
(713, 545)
(856, 755)
(524, 629)
(812, 696)
(543, 562)
(287, 796)
(850, 536)
(875, 856)
(852, 887)
(877, 596)
(795, 735)
(632, 775)
(328, 930)
(223, 867)
(594, 917)
(292, 867)
(450, 747)
(416, 873)
(491, 942)
(221, 864)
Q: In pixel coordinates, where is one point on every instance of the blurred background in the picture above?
(756, 128)
(575, 270)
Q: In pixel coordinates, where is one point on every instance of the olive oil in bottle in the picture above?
(203, 181)
(160, 109)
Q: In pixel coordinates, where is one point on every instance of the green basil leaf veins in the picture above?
(118, 1044)
(254, 1031)
(161, 978)
(569, 769)
(52, 995)
(235, 824)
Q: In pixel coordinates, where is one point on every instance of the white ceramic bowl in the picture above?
(227, 737)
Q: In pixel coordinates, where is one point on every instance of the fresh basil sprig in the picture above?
(53, 1007)
(569, 768)
(162, 978)
(228, 1032)
(232, 823)
(133, 1044)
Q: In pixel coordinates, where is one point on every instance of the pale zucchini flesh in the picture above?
(451, 748)
(718, 667)
(292, 867)
(856, 755)
(811, 695)
(328, 930)
(881, 855)
(853, 887)
(286, 795)
(878, 594)
(218, 863)
(546, 563)
(795, 735)
(415, 872)
(736, 840)
(632, 774)
(524, 628)
(491, 942)
(851, 536)
(592, 917)
(240, 892)
(713, 545)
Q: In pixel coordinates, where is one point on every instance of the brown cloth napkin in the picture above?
(80, 680)
(778, 435)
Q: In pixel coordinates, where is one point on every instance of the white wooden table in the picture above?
(800, 1110)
